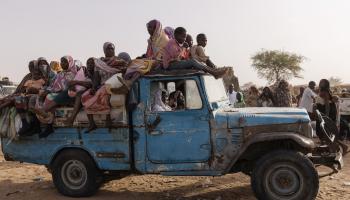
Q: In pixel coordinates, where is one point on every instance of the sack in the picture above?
(116, 81)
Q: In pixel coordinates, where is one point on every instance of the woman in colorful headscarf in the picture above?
(58, 94)
(46, 70)
(96, 99)
(157, 41)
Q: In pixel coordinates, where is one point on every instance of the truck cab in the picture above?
(206, 137)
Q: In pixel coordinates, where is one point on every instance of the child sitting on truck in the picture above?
(198, 51)
(174, 58)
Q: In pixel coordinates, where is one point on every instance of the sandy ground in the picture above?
(33, 182)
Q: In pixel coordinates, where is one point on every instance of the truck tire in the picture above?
(283, 174)
(75, 174)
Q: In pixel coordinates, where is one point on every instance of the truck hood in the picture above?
(243, 117)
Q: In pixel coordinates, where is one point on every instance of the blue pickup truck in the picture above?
(274, 146)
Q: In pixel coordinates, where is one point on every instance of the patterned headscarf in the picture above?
(71, 64)
(157, 41)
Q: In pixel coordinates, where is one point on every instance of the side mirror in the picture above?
(214, 105)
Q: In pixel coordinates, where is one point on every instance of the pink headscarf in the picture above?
(63, 77)
(157, 41)
(71, 64)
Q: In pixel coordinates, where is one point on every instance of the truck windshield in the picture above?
(215, 89)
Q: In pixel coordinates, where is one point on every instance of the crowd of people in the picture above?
(69, 82)
(309, 98)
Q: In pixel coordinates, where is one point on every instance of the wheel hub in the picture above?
(74, 174)
(283, 181)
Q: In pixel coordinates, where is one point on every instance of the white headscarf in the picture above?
(158, 104)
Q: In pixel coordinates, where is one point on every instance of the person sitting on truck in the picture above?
(188, 45)
(20, 87)
(111, 59)
(59, 88)
(198, 51)
(46, 70)
(85, 83)
(132, 69)
(31, 85)
(174, 58)
(32, 88)
(55, 95)
(96, 99)
(157, 41)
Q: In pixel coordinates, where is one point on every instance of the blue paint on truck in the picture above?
(207, 137)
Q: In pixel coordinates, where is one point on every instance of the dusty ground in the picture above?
(33, 182)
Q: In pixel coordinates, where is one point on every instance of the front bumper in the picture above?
(322, 156)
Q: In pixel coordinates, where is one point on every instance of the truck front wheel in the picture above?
(284, 175)
(75, 174)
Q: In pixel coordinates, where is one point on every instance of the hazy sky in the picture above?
(236, 29)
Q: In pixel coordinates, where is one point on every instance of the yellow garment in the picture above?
(55, 66)
(157, 43)
(141, 65)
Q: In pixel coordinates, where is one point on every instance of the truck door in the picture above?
(181, 135)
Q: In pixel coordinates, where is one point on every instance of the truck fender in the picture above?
(304, 142)
(61, 149)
